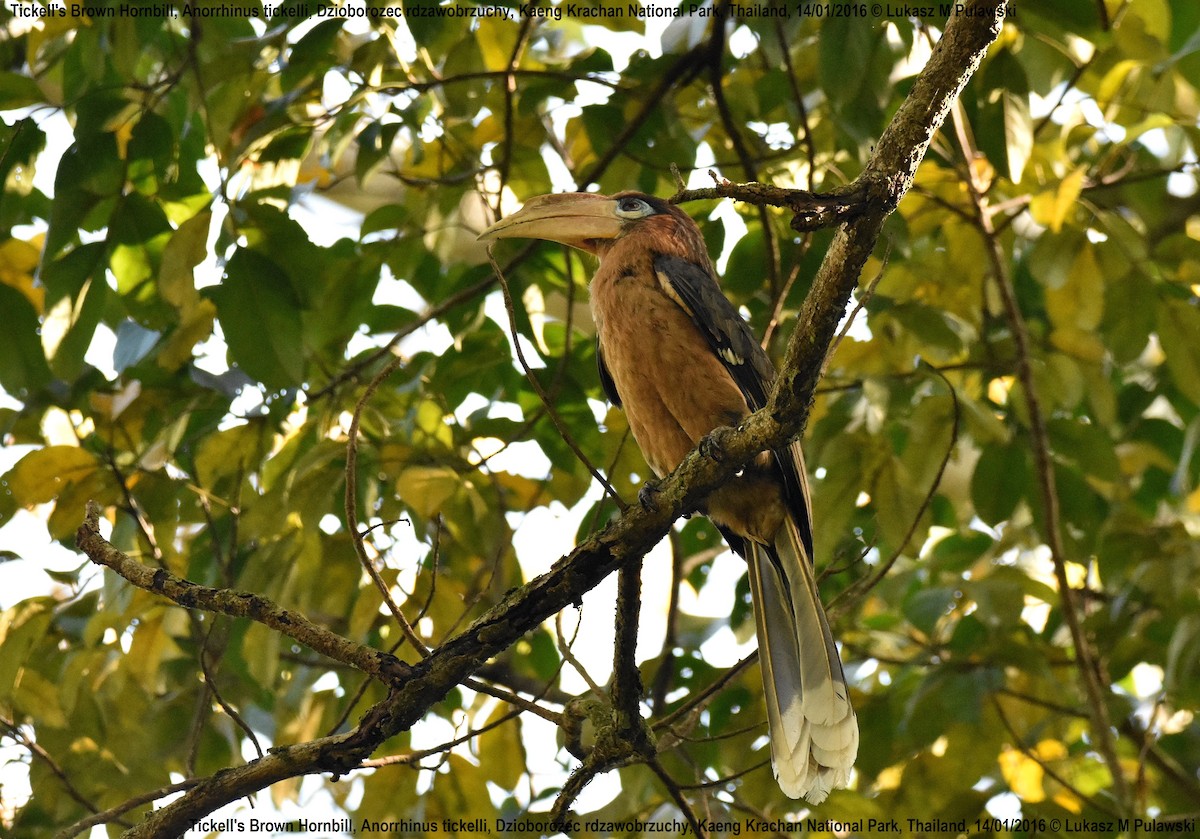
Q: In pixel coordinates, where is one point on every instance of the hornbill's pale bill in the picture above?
(676, 356)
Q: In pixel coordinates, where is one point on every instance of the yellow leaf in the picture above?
(49, 36)
(195, 327)
(983, 173)
(18, 259)
(1051, 208)
(260, 648)
(312, 169)
(1114, 81)
(1068, 800)
(41, 475)
(1150, 21)
(1048, 750)
(460, 792)
(1079, 301)
(998, 389)
(522, 493)
(150, 647)
(1085, 346)
(185, 250)
(61, 319)
(34, 690)
(1149, 124)
(426, 489)
(1023, 775)
(496, 39)
(111, 405)
(226, 453)
(489, 130)
(121, 125)
(431, 424)
(22, 628)
(73, 495)
(501, 754)
(579, 145)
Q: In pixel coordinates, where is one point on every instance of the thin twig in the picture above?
(1019, 742)
(651, 105)
(40, 753)
(676, 793)
(113, 814)
(666, 668)
(568, 655)
(1089, 673)
(235, 603)
(810, 149)
(713, 783)
(859, 305)
(435, 557)
(210, 684)
(350, 506)
(547, 403)
(701, 698)
(861, 588)
(733, 130)
(431, 313)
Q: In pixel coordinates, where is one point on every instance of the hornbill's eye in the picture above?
(633, 208)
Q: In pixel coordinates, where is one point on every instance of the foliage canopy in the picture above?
(192, 317)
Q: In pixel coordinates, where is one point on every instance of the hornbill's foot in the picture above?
(648, 494)
(711, 448)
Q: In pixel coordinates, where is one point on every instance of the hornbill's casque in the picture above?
(676, 356)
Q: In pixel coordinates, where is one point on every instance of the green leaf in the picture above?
(309, 55)
(746, 272)
(1086, 446)
(77, 293)
(935, 326)
(260, 316)
(924, 608)
(227, 453)
(20, 145)
(845, 49)
(1128, 321)
(959, 551)
(18, 91)
(1183, 659)
(22, 627)
(1000, 481)
(23, 366)
(88, 180)
(1178, 328)
(427, 489)
(137, 221)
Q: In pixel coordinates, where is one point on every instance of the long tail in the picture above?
(814, 732)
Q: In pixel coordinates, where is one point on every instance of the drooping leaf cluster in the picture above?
(252, 216)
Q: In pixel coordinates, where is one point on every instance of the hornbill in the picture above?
(679, 359)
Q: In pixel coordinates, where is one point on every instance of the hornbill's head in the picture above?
(593, 223)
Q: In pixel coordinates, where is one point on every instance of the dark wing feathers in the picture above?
(606, 380)
(696, 291)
